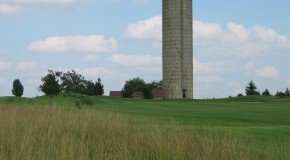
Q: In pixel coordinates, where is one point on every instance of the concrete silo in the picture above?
(177, 49)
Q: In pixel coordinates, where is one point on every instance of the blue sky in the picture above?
(234, 42)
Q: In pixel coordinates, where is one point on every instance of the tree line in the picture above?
(251, 89)
(57, 82)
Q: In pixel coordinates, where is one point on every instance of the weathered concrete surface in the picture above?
(177, 49)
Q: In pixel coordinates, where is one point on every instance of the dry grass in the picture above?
(53, 133)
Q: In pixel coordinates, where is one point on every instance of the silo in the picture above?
(177, 49)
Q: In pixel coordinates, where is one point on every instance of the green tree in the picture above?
(18, 88)
(266, 93)
(133, 85)
(251, 89)
(90, 88)
(147, 91)
(72, 82)
(127, 90)
(280, 94)
(240, 95)
(99, 87)
(50, 84)
(287, 92)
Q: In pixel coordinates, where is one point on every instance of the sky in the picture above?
(234, 42)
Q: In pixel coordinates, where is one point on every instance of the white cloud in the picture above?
(211, 38)
(10, 7)
(133, 60)
(27, 66)
(71, 44)
(149, 29)
(4, 65)
(213, 67)
(253, 68)
(90, 58)
(236, 39)
(101, 72)
(267, 72)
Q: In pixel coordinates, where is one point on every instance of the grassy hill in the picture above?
(262, 122)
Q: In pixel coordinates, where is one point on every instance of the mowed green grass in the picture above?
(258, 122)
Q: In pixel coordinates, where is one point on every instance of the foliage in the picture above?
(240, 95)
(50, 84)
(139, 85)
(133, 85)
(266, 93)
(18, 88)
(157, 84)
(251, 89)
(283, 94)
(280, 94)
(71, 82)
(147, 91)
(98, 88)
(287, 92)
(127, 91)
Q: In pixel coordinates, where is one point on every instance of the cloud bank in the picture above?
(211, 38)
(72, 44)
(12, 7)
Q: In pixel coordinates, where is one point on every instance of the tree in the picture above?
(266, 93)
(127, 90)
(99, 88)
(133, 85)
(287, 92)
(280, 94)
(251, 89)
(18, 88)
(147, 91)
(240, 95)
(50, 85)
(90, 88)
(72, 82)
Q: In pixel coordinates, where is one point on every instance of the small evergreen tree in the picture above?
(99, 88)
(251, 89)
(18, 88)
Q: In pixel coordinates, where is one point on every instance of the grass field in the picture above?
(79, 127)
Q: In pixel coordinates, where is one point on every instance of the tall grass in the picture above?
(54, 133)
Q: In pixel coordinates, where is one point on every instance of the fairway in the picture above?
(258, 121)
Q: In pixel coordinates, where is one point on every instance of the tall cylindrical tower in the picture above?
(177, 49)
